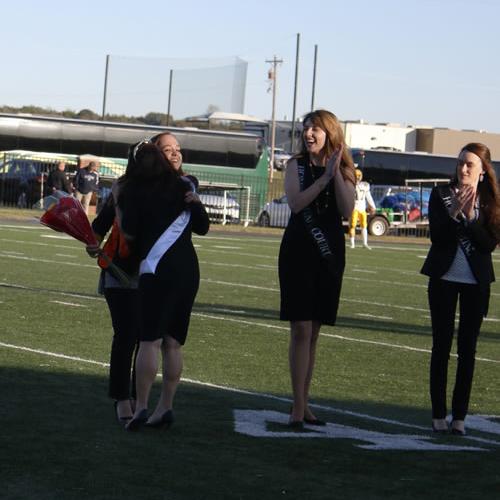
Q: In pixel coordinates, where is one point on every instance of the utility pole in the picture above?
(314, 76)
(105, 87)
(273, 82)
(169, 96)
(295, 90)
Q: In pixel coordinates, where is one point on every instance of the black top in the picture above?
(444, 232)
(327, 215)
(86, 181)
(146, 218)
(58, 181)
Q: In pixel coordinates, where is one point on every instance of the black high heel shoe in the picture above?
(314, 421)
(296, 425)
(457, 432)
(166, 420)
(439, 431)
(137, 422)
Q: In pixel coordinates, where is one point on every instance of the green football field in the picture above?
(60, 440)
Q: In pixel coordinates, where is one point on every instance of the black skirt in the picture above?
(167, 297)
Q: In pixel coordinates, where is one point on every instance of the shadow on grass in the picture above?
(62, 441)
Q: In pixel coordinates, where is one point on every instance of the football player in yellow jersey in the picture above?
(363, 198)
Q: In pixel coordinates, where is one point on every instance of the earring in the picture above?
(481, 177)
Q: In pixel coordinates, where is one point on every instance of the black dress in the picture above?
(166, 297)
(309, 285)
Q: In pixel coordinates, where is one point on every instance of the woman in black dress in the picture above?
(319, 185)
(464, 221)
(158, 209)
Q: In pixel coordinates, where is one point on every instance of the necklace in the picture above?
(322, 200)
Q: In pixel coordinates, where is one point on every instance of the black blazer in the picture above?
(444, 239)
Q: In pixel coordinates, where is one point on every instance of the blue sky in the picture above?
(417, 62)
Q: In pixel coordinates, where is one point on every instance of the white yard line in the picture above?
(331, 335)
(57, 237)
(67, 303)
(38, 243)
(245, 392)
(48, 261)
(262, 325)
(366, 315)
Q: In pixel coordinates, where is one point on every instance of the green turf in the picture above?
(60, 440)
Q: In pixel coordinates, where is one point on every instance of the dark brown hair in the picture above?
(149, 173)
(156, 139)
(489, 195)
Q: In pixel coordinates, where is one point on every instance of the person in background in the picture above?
(464, 221)
(86, 184)
(319, 185)
(158, 211)
(363, 198)
(58, 179)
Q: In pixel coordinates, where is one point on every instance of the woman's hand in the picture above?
(333, 163)
(93, 250)
(191, 197)
(463, 201)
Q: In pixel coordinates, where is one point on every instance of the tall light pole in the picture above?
(105, 87)
(273, 80)
(295, 90)
(314, 76)
(169, 96)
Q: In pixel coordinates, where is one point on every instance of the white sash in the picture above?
(164, 242)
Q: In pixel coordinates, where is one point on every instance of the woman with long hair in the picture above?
(319, 185)
(158, 211)
(464, 221)
(122, 299)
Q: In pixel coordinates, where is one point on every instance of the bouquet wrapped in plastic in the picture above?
(65, 214)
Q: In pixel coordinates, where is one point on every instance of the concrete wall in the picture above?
(449, 142)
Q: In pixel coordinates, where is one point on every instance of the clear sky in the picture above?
(416, 62)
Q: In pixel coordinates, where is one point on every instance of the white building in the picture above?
(390, 136)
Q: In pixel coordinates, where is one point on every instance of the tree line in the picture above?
(151, 118)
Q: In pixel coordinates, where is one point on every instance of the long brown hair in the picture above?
(330, 124)
(489, 195)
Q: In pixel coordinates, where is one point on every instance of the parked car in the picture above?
(22, 182)
(274, 213)
(280, 158)
(220, 206)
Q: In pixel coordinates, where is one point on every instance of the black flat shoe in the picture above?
(296, 425)
(136, 423)
(166, 420)
(314, 421)
(439, 431)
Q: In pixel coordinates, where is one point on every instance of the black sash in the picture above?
(314, 229)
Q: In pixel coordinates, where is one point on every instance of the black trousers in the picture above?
(443, 299)
(123, 306)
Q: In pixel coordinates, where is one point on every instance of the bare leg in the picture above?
(299, 359)
(146, 370)
(172, 368)
(312, 358)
